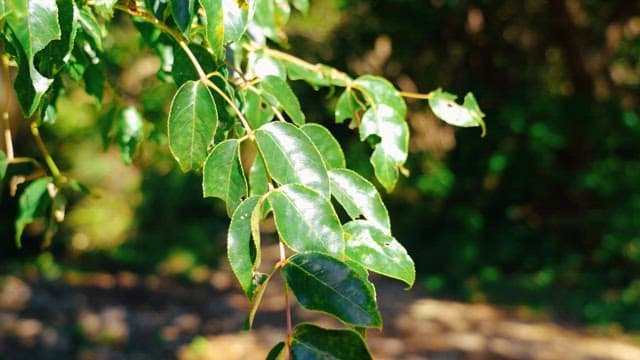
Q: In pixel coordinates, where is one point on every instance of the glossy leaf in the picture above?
(386, 120)
(183, 12)
(323, 283)
(192, 123)
(306, 220)
(280, 90)
(348, 107)
(258, 178)
(214, 26)
(359, 198)
(239, 245)
(34, 24)
(236, 15)
(291, 157)
(4, 162)
(317, 76)
(378, 251)
(223, 176)
(129, 132)
(262, 66)
(256, 110)
(313, 342)
(90, 25)
(468, 114)
(32, 205)
(55, 56)
(269, 18)
(326, 144)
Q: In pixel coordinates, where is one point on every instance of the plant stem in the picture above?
(412, 95)
(283, 257)
(6, 120)
(55, 172)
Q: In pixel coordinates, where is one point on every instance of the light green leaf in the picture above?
(318, 75)
(258, 178)
(236, 16)
(280, 90)
(468, 114)
(239, 246)
(214, 26)
(306, 221)
(260, 283)
(91, 27)
(385, 119)
(261, 66)
(291, 157)
(104, 8)
(348, 107)
(312, 342)
(359, 198)
(301, 5)
(4, 162)
(323, 283)
(55, 56)
(193, 119)
(326, 144)
(378, 251)
(32, 205)
(183, 12)
(129, 132)
(257, 111)
(223, 176)
(33, 24)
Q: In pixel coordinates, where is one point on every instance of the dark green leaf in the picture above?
(324, 283)
(368, 245)
(260, 283)
(34, 24)
(214, 26)
(386, 120)
(291, 157)
(193, 119)
(239, 245)
(183, 12)
(326, 144)
(359, 197)
(306, 220)
(33, 205)
(157, 7)
(277, 352)
(348, 107)
(311, 342)
(258, 179)
(129, 132)
(285, 97)
(183, 70)
(468, 115)
(223, 176)
(257, 111)
(4, 162)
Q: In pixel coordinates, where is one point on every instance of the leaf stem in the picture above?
(283, 257)
(413, 95)
(6, 119)
(55, 172)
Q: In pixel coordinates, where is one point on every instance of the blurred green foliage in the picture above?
(544, 210)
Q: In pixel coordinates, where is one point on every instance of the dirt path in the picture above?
(125, 316)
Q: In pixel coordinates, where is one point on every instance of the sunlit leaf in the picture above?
(301, 5)
(236, 15)
(256, 110)
(223, 176)
(348, 107)
(291, 157)
(317, 75)
(53, 58)
(285, 97)
(91, 27)
(378, 251)
(192, 123)
(129, 132)
(258, 178)
(313, 342)
(326, 144)
(468, 114)
(306, 220)
(214, 26)
(323, 283)
(239, 245)
(32, 205)
(359, 197)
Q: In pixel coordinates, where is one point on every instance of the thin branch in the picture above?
(6, 119)
(283, 258)
(335, 74)
(413, 95)
(55, 172)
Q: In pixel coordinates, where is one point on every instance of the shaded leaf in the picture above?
(4, 162)
(368, 245)
(239, 245)
(280, 90)
(468, 114)
(183, 12)
(260, 283)
(277, 352)
(359, 198)
(324, 283)
(192, 123)
(257, 111)
(258, 178)
(327, 145)
(129, 132)
(291, 157)
(311, 342)
(306, 221)
(183, 70)
(348, 107)
(223, 176)
(301, 5)
(32, 205)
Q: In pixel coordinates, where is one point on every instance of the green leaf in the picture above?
(104, 8)
(269, 18)
(129, 132)
(348, 107)
(378, 251)
(157, 7)
(257, 111)
(261, 66)
(359, 198)
(324, 283)
(89, 25)
(236, 17)
(306, 221)
(214, 26)
(385, 120)
(291, 157)
(183, 70)
(469, 114)
(301, 5)
(277, 352)
(239, 245)
(193, 119)
(33, 24)
(311, 342)
(32, 205)
(4, 162)
(280, 90)
(258, 178)
(223, 176)
(183, 12)
(260, 281)
(326, 144)
(318, 75)
(53, 58)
